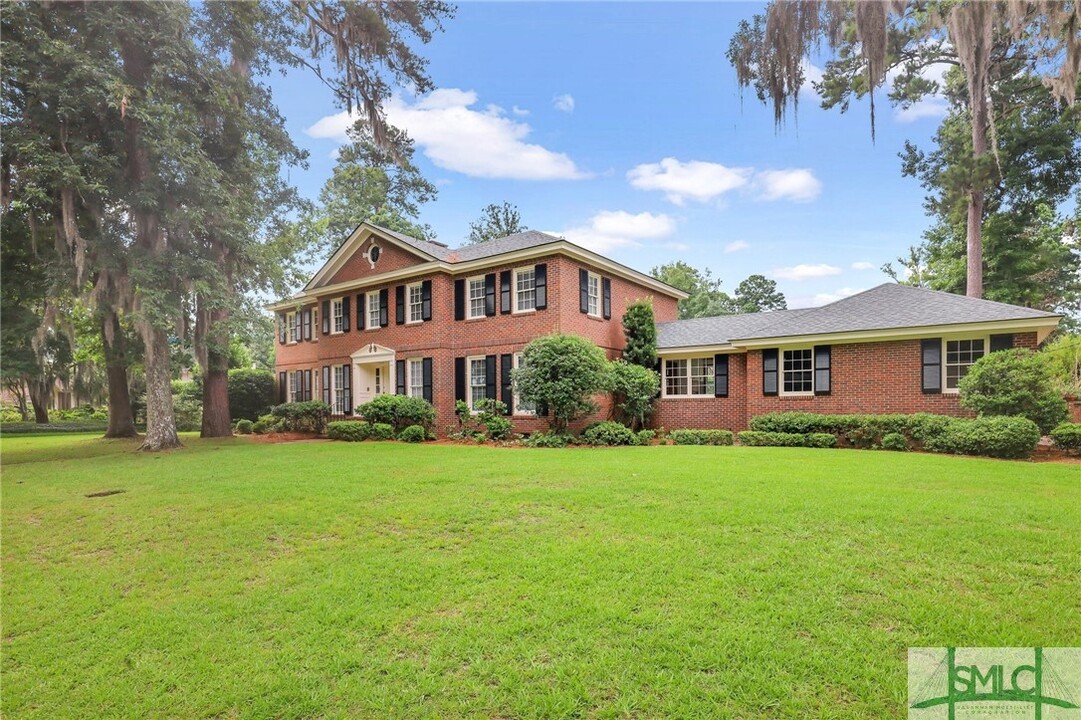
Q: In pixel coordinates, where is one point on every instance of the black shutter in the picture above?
(459, 299)
(1001, 342)
(384, 307)
(606, 284)
(307, 384)
(540, 277)
(361, 319)
(399, 305)
(823, 373)
(399, 377)
(769, 372)
(720, 376)
(426, 368)
(504, 292)
(347, 381)
(326, 317)
(489, 294)
(308, 324)
(931, 359)
(345, 314)
(506, 364)
(583, 291)
(490, 380)
(282, 387)
(426, 300)
(326, 384)
(459, 379)
(281, 328)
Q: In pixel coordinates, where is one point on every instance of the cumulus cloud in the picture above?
(456, 136)
(736, 246)
(798, 185)
(811, 74)
(863, 265)
(805, 272)
(825, 298)
(610, 229)
(521, 112)
(563, 103)
(694, 180)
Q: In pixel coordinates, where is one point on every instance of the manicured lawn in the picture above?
(232, 579)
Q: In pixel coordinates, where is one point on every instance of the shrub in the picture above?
(761, 438)
(251, 393)
(488, 421)
(266, 424)
(645, 437)
(1067, 436)
(413, 434)
(400, 411)
(701, 437)
(999, 436)
(894, 441)
(307, 416)
(820, 440)
(862, 431)
(381, 431)
(609, 433)
(547, 440)
(188, 412)
(561, 374)
(244, 426)
(348, 430)
(640, 329)
(633, 390)
(1064, 359)
(1014, 382)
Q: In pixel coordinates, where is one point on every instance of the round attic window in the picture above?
(373, 254)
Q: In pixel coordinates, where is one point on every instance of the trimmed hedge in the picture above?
(31, 428)
(894, 441)
(999, 437)
(381, 431)
(244, 426)
(308, 416)
(701, 437)
(251, 393)
(609, 433)
(349, 430)
(760, 438)
(862, 431)
(399, 411)
(413, 434)
(547, 440)
(1067, 436)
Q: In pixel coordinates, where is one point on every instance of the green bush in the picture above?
(251, 393)
(308, 416)
(820, 440)
(761, 438)
(188, 412)
(413, 434)
(561, 374)
(894, 441)
(998, 436)
(701, 437)
(1064, 358)
(1014, 382)
(31, 428)
(609, 433)
(634, 389)
(266, 424)
(349, 430)
(645, 437)
(547, 440)
(399, 411)
(488, 421)
(381, 431)
(1067, 436)
(244, 426)
(861, 431)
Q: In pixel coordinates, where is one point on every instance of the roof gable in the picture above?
(353, 259)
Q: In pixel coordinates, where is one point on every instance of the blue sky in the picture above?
(621, 127)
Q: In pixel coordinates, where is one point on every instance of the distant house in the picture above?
(388, 313)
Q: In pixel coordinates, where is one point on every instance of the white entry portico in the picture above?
(373, 372)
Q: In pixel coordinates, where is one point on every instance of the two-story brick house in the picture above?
(392, 314)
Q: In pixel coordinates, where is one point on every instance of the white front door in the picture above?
(372, 380)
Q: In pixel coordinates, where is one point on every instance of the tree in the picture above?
(706, 298)
(640, 329)
(495, 221)
(561, 374)
(872, 40)
(758, 294)
(634, 389)
(1014, 382)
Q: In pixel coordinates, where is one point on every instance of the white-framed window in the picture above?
(416, 303)
(594, 287)
(315, 324)
(292, 321)
(521, 407)
(525, 289)
(689, 377)
(475, 286)
(960, 355)
(797, 371)
(338, 386)
(337, 316)
(374, 310)
(294, 386)
(378, 373)
(478, 381)
(415, 372)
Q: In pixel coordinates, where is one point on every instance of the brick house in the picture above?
(388, 313)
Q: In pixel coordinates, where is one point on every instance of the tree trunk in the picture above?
(39, 399)
(160, 423)
(974, 244)
(121, 421)
(216, 420)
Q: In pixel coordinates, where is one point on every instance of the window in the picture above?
(476, 297)
(416, 377)
(378, 380)
(294, 387)
(373, 310)
(293, 323)
(525, 289)
(960, 355)
(594, 287)
(693, 376)
(798, 370)
(339, 390)
(416, 303)
(338, 316)
(521, 407)
(478, 380)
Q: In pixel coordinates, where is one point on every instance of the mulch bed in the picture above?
(286, 437)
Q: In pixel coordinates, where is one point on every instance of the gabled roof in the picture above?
(477, 251)
(888, 307)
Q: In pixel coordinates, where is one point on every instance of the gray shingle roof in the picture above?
(888, 306)
(510, 243)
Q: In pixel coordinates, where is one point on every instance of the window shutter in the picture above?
(540, 276)
(1001, 342)
(282, 387)
(489, 294)
(823, 374)
(720, 375)
(606, 285)
(326, 317)
(583, 291)
(490, 381)
(384, 307)
(307, 384)
(426, 369)
(769, 372)
(308, 324)
(281, 328)
(506, 364)
(459, 379)
(658, 367)
(459, 299)
(345, 314)
(399, 305)
(360, 311)
(326, 384)
(426, 300)
(399, 377)
(347, 386)
(931, 359)
(505, 305)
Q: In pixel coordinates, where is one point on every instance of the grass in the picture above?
(232, 579)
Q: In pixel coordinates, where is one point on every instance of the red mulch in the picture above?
(286, 437)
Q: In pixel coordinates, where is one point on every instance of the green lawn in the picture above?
(233, 579)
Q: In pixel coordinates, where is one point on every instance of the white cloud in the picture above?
(611, 229)
(736, 246)
(563, 103)
(798, 185)
(863, 265)
(811, 74)
(804, 272)
(521, 112)
(826, 297)
(695, 180)
(932, 106)
(454, 136)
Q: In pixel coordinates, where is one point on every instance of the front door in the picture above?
(371, 381)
